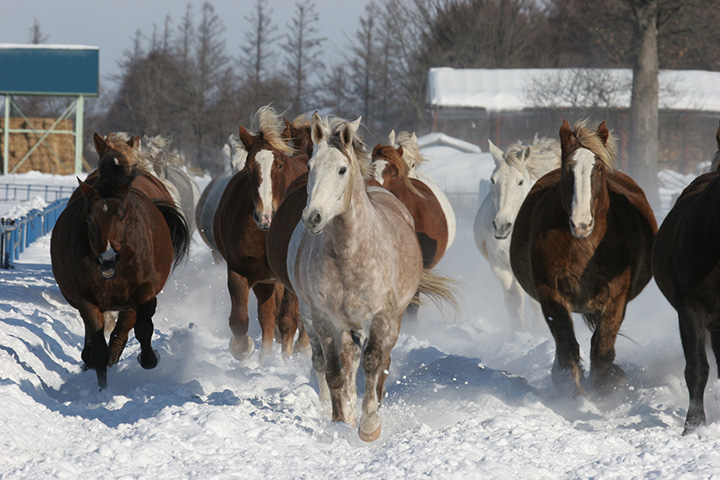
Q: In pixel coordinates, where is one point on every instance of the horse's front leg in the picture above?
(265, 294)
(331, 341)
(605, 376)
(567, 350)
(95, 351)
(144, 328)
(241, 346)
(119, 336)
(376, 362)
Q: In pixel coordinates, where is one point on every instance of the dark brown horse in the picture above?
(297, 134)
(112, 249)
(244, 214)
(431, 227)
(686, 265)
(582, 243)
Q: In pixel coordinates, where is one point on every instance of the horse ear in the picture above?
(566, 139)
(603, 133)
(86, 189)
(355, 124)
(495, 151)
(317, 130)
(245, 137)
(101, 146)
(347, 132)
(400, 151)
(391, 137)
(134, 142)
(413, 137)
(526, 154)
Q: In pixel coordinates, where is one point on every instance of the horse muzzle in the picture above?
(108, 270)
(502, 231)
(108, 265)
(312, 221)
(581, 230)
(263, 221)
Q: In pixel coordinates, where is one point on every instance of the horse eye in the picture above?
(342, 170)
(280, 166)
(521, 182)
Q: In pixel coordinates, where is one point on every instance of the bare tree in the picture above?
(36, 35)
(302, 48)
(257, 55)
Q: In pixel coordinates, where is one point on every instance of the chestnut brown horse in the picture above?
(686, 265)
(112, 249)
(244, 214)
(582, 243)
(431, 228)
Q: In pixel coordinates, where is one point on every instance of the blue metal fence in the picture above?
(17, 234)
(19, 192)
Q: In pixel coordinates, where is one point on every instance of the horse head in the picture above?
(586, 155)
(297, 133)
(266, 163)
(511, 183)
(332, 170)
(106, 211)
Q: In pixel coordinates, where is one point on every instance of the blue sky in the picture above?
(111, 26)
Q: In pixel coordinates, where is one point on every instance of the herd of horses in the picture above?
(338, 242)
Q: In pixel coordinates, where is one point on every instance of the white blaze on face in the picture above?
(265, 159)
(108, 255)
(379, 168)
(581, 213)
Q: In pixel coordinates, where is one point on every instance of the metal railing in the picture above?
(19, 192)
(17, 234)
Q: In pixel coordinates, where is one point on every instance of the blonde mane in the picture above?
(267, 121)
(411, 149)
(118, 142)
(589, 139)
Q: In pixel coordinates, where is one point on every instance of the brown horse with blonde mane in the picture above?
(581, 243)
(686, 265)
(112, 249)
(431, 228)
(243, 216)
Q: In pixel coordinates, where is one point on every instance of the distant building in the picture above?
(514, 104)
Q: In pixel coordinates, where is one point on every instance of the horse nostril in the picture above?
(317, 218)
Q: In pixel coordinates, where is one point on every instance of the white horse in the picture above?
(515, 173)
(355, 264)
(235, 155)
(169, 167)
(413, 157)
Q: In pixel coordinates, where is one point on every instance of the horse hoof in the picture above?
(610, 381)
(369, 437)
(153, 361)
(241, 348)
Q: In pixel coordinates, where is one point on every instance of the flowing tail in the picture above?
(178, 228)
(440, 289)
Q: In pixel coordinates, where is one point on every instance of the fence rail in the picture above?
(17, 234)
(19, 192)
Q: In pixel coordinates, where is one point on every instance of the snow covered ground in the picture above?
(468, 397)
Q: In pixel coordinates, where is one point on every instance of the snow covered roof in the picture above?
(507, 89)
(440, 139)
